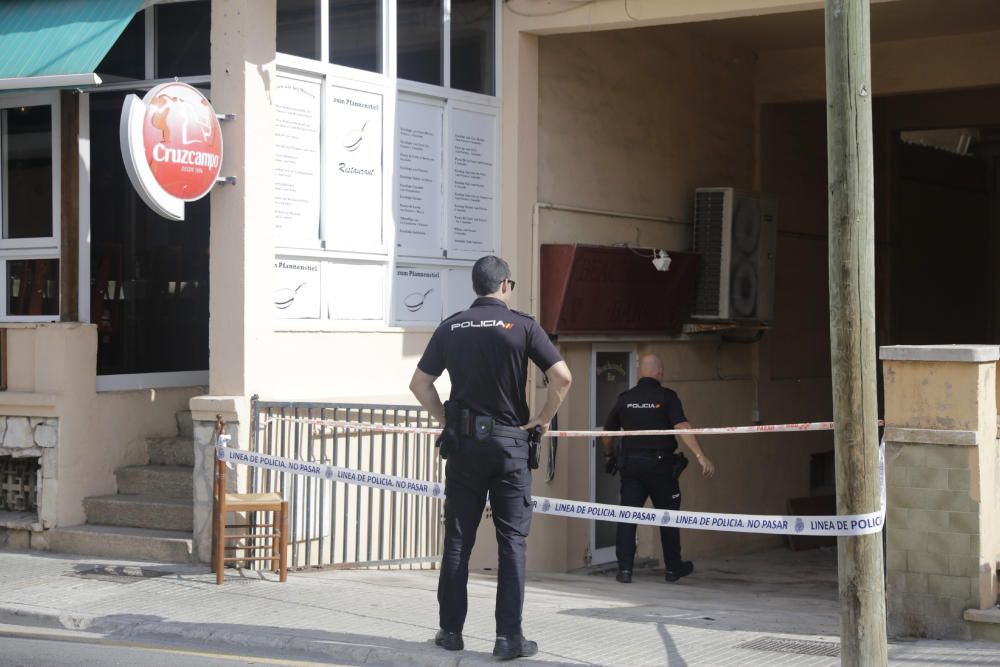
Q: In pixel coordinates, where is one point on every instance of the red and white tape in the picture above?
(347, 425)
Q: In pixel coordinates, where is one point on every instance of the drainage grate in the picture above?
(799, 646)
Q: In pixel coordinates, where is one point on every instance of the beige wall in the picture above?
(635, 120)
(905, 66)
(52, 372)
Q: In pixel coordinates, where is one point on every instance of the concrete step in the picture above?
(164, 546)
(164, 481)
(984, 624)
(185, 427)
(140, 511)
(174, 451)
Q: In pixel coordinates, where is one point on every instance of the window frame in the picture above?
(129, 381)
(40, 247)
(394, 89)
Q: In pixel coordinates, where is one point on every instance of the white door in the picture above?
(613, 370)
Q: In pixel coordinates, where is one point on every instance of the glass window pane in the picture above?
(356, 34)
(33, 287)
(27, 172)
(298, 28)
(127, 58)
(419, 40)
(182, 39)
(148, 275)
(472, 48)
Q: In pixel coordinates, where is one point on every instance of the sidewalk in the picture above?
(775, 600)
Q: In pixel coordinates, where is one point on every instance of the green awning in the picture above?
(58, 43)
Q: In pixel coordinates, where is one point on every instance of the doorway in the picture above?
(613, 369)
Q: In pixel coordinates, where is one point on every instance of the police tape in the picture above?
(835, 525)
(371, 427)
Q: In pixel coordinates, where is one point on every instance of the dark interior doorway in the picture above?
(937, 197)
(943, 281)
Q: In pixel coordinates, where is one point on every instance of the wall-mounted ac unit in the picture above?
(735, 234)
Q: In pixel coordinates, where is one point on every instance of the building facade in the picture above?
(377, 148)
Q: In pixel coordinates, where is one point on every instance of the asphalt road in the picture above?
(37, 647)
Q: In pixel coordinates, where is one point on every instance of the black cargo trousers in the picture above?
(498, 466)
(645, 475)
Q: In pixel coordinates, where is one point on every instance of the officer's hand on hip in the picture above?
(536, 421)
(707, 467)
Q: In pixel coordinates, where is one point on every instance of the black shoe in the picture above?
(515, 646)
(450, 641)
(624, 577)
(686, 567)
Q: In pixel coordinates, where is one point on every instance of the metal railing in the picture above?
(341, 525)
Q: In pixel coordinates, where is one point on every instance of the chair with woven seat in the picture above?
(275, 536)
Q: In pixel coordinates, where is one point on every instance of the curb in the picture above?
(241, 641)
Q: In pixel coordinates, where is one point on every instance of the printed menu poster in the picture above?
(416, 294)
(473, 160)
(354, 193)
(354, 291)
(296, 288)
(297, 104)
(419, 177)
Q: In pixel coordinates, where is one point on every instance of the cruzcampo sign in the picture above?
(172, 146)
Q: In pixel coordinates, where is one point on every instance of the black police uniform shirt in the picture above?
(647, 406)
(485, 350)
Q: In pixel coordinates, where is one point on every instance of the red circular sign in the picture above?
(182, 139)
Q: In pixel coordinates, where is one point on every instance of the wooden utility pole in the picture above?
(852, 325)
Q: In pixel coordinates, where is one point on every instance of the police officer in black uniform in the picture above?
(486, 350)
(649, 466)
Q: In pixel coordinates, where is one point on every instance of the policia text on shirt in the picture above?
(486, 350)
(649, 466)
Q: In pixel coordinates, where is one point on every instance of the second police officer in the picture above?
(649, 466)
(486, 350)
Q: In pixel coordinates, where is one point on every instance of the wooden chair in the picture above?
(276, 531)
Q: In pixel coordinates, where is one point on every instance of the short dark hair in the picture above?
(487, 274)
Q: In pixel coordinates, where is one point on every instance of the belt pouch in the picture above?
(464, 423)
(483, 427)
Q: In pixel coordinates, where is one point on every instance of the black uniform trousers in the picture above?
(642, 476)
(498, 466)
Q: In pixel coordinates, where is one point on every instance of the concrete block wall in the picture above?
(943, 499)
(932, 541)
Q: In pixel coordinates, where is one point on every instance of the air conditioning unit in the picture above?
(734, 232)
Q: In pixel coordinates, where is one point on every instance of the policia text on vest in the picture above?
(486, 350)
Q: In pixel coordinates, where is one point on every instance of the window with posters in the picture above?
(386, 175)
